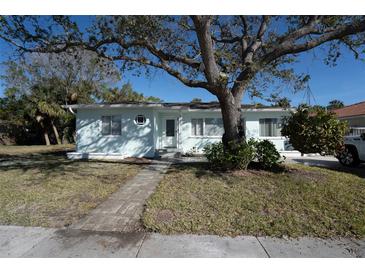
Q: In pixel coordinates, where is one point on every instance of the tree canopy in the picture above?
(126, 94)
(226, 55)
(335, 104)
(39, 84)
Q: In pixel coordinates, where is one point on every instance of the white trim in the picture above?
(144, 118)
(204, 134)
(272, 137)
(111, 126)
(205, 137)
(98, 106)
(95, 156)
(191, 127)
(163, 135)
(267, 109)
(161, 106)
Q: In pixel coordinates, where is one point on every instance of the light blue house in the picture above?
(144, 129)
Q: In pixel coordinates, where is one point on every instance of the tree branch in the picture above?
(202, 26)
(289, 47)
(247, 56)
(245, 25)
(162, 65)
(298, 33)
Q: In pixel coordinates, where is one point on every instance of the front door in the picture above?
(169, 132)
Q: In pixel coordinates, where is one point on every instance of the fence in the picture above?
(356, 131)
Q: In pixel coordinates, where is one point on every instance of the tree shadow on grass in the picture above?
(201, 169)
(52, 163)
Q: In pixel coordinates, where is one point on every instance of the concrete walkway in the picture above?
(41, 242)
(122, 211)
(328, 162)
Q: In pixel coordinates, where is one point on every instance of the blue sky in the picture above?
(345, 82)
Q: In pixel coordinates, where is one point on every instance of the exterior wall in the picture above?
(143, 140)
(135, 140)
(253, 127)
(191, 143)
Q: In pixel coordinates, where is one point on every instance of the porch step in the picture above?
(168, 153)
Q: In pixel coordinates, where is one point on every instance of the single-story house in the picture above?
(354, 115)
(145, 129)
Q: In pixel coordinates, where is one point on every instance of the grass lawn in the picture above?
(26, 150)
(40, 187)
(301, 201)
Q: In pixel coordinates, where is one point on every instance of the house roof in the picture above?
(357, 109)
(191, 105)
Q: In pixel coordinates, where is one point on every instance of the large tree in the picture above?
(226, 55)
(126, 94)
(335, 104)
(46, 81)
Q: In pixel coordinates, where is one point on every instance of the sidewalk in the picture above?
(18, 241)
(123, 209)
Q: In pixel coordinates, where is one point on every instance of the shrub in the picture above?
(267, 154)
(237, 158)
(215, 155)
(314, 131)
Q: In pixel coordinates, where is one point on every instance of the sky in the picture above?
(345, 82)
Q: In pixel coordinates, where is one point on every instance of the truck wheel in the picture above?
(349, 157)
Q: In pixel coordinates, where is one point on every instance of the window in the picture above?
(197, 127)
(270, 127)
(213, 127)
(116, 125)
(140, 119)
(111, 125)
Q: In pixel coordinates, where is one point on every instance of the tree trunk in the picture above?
(231, 114)
(46, 137)
(55, 131)
(40, 120)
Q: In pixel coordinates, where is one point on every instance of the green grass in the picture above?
(23, 150)
(46, 189)
(302, 201)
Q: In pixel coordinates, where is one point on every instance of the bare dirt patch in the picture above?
(165, 216)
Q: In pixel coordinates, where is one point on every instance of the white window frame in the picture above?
(111, 126)
(278, 127)
(203, 130)
(144, 119)
(212, 136)
(203, 125)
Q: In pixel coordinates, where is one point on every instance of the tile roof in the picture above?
(357, 109)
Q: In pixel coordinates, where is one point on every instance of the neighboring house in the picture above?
(145, 129)
(354, 115)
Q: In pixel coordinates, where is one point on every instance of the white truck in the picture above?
(354, 151)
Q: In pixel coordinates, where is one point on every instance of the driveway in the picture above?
(329, 162)
(16, 241)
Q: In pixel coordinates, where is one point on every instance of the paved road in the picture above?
(16, 241)
(328, 162)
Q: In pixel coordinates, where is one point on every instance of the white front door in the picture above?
(169, 132)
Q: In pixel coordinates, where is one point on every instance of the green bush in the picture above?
(267, 154)
(238, 157)
(314, 131)
(242, 155)
(215, 155)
